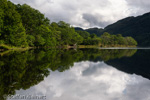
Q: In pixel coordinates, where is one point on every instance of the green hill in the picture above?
(136, 27)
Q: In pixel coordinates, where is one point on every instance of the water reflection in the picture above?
(138, 64)
(83, 82)
(87, 74)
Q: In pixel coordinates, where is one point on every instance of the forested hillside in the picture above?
(24, 26)
(97, 31)
(136, 27)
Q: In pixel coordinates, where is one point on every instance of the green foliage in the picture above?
(84, 34)
(66, 34)
(11, 29)
(89, 39)
(93, 35)
(36, 25)
(1, 20)
(30, 40)
(131, 41)
(117, 40)
(106, 39)
(31, 18)
(1, 42)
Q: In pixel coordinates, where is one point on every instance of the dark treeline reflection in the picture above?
(21, 70)
(138, 64)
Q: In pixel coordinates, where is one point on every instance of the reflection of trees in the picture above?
(138, 64)
(107, 54)
(21, 70)
(112, 54)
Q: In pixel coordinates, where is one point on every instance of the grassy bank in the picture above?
(4, 47)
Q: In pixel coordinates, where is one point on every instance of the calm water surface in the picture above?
(85, 74)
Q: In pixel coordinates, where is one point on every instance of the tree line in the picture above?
(106, 39)
(23, 26)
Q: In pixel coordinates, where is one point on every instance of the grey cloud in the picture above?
(139, 7)
(139, 3)
(93, 20)
(92, 70)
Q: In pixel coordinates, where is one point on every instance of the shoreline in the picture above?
(3, 52)
(6, 47)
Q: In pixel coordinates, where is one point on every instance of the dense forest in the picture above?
(106, 39)
(24, 26)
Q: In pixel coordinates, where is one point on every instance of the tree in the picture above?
(66, 34)
(31, 18)
(93, 35)
(30, 40)
(36, 26)
(12, 31)
(48, 35)
(1, 24)
(106, 37)
(76, 38)
(84, 34)
(131, 41)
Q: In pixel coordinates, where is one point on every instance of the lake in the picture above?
(82, 74)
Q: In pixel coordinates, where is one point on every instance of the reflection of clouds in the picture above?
(92, 81)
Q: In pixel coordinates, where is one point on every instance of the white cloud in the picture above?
(101, 12)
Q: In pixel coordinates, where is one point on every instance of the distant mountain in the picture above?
(136, 27)
(97, 31)
(79, 29)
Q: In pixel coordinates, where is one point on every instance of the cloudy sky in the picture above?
(91, 81)
(89, 13)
